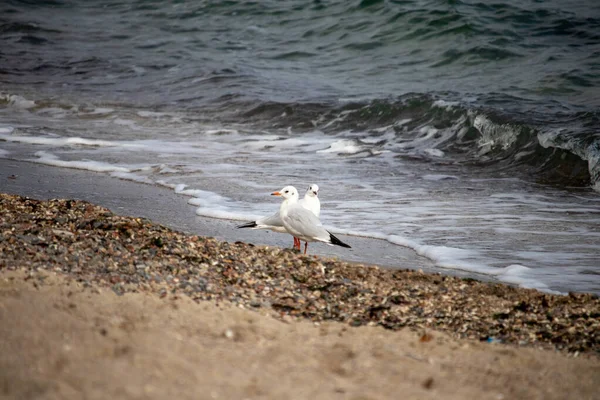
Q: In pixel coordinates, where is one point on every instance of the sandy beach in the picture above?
(455, 150)
(65, 340)
(96, 304)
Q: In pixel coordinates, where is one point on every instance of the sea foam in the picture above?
(51, 159)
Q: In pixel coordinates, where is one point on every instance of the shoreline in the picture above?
(162, 205)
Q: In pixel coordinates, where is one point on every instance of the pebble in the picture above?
(91, 245)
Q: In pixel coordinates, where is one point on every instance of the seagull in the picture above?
(273, 222)
(311, 200)
(302, 223)
(312, 203)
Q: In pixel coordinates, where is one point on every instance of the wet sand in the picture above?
(164, 206)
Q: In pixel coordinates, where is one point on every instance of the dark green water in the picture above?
(532, 64)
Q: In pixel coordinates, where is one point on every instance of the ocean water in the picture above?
(467, 131)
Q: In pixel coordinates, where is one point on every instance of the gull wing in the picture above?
(305, 225)
(272, 220)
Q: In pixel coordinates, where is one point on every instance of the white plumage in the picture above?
(302, 223)
(273, 222)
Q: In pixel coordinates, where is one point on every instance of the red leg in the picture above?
(305, 247)
(297, 244)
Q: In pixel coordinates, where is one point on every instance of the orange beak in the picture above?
(275, 194)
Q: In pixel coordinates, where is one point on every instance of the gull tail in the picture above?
(337, 241)
(248, 225)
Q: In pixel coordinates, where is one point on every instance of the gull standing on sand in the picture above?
(273, 222)
(302, 223)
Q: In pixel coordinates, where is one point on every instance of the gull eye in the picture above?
(286, 191)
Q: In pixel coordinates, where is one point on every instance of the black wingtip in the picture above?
(337, 241)
(248, 225)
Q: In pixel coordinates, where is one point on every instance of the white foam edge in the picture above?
(457, 259)
(439, 177)
(434, 152)
(152, 114)
(343, 146)
(448, 105)
(129, 176)
(17, 101)
(213, 205)
(522, 276)
(54, 141)
(209, 204)
(89, 165)
(222, 131)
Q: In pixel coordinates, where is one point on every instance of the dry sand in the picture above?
(59, 340)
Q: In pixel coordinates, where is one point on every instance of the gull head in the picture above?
(288, 193)
(313, 190)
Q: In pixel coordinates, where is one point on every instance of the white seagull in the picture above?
(273, 222)
(312, 203)
(302, 223)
